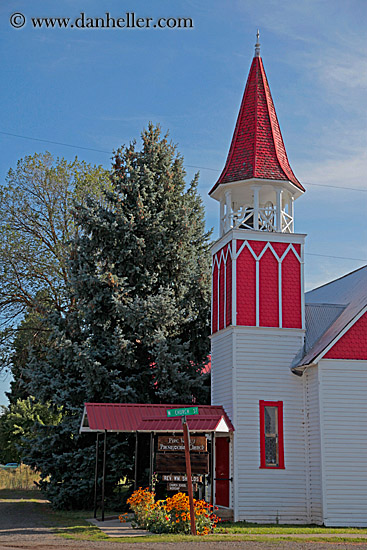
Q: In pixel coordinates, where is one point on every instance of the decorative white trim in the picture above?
(250, 235)
(218, 260)
(278, 212)
(276, 331)
(257, 293)
(322, 450)
(230, 251)
(234, 283)
(235, 483)
(306, 443)
(280, 294)
(288, 185)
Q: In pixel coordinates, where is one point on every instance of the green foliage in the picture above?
(18, 425)
(37, 226)
(138, 329)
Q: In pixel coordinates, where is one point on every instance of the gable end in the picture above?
(353, 344)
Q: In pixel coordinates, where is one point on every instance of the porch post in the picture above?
(104, 471)
(96, 478)
(151, 461)
(136, 462)
(212, 470)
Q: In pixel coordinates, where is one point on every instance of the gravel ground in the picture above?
(23, 525)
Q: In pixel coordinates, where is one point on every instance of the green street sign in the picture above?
(182, 412)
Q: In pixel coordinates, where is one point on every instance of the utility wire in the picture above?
(336, 257)
(192, 166)
(187, 165)
(55, 142)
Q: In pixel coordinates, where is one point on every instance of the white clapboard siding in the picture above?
(221, 370)
(222, 383)
(313, 444)
(262, 372)
(343, 413)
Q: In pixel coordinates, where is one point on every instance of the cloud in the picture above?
(347, 172)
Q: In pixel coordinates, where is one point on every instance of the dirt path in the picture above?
(26, 525)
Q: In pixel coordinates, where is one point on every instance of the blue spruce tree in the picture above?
(139, 324)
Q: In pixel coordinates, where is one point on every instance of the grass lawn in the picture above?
(73, 525)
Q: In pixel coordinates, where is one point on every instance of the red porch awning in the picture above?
(139, 417)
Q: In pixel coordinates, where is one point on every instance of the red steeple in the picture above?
(257, 149)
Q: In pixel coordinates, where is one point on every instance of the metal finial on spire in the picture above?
(257, 45)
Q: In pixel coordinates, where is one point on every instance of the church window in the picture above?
(271, 434)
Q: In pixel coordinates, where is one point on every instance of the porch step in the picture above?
(225, 514)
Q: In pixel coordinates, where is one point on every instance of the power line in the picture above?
(187, 165)
(336, 257)
(56, 143)
(199, 168)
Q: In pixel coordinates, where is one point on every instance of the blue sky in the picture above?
(98, 88)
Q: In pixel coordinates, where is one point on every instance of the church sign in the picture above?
(167, 463)
(176, 443)
(176, 478)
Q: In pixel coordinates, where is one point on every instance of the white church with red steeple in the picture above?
(289, 368)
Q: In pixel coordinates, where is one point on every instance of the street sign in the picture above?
(187, 411)
(181, 478)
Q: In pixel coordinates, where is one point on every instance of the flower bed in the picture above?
(171, 515)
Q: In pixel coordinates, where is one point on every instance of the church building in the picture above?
(288, 367)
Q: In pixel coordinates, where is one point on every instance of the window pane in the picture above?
(271, 451)
(271, 420)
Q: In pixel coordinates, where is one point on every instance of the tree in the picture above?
(138, 331)
(32, 333)
(37, 226)
(17, 426)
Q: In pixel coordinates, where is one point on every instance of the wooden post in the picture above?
(212, 465)
(96, 478)
(188, 474)
(151, 454)
(104, 471)
(136, 462)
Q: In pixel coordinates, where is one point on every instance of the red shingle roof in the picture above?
(257, 149)
(132, 417)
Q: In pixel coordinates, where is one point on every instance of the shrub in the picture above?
(171, 515)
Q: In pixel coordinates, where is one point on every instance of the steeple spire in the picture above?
(257, 45)
(257, 183)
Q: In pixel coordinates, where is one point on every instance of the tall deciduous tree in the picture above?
(37, 226)
(139, 329)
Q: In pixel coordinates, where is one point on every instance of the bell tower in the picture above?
(257, 299)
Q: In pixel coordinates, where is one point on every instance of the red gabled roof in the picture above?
(138, 417)
(257, 149)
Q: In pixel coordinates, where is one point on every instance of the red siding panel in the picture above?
(257, 246)
(291, 292)
(229, 291)
(353, 345)
(269, 291)
(246, 289)
(280, 248)
(221, 295)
